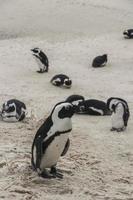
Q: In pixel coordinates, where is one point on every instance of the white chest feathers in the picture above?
(54, 151)
(117, 117)
(40, 64)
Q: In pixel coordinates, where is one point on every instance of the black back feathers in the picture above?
(99, 61)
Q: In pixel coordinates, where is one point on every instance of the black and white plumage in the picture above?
(52, 140)
(93, 107)
(41, 59)
(128, 33)
(100, 61)
(75, 99)
(13, 111)
(120, 113)
(61, 80)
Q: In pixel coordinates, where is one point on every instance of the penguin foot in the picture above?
(40, 71)
(56, 173)
(113, 129)
(120, 129)
(46, 174)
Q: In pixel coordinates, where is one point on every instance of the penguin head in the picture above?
(79, 107)
(67, 83)
(111, 103)
(62, 110)
(36, 51)
(125, 32)
(105, 56)
(8, 108)
(9, 112)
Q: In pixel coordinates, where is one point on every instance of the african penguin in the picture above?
(92, 107)
(61, 80)
(52, 140)
(75, 99)
(13, 111)
(120, 113)
(41, 59)
(100, 61)
(128, 33)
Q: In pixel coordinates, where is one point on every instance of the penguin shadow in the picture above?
(106, 66)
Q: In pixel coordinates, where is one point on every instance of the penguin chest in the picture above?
(54, 151)
(40, 64)
(117, 117)
(117, 120)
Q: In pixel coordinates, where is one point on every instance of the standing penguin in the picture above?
(52, 140)
(61, 80)
(13, 111)
(41, 59)
(120, 113)
(128, 33)
(100, 61)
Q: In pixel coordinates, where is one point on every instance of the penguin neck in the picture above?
(62, 124)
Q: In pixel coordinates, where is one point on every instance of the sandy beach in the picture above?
(99, 163)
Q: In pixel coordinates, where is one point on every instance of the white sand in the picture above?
(99, 164)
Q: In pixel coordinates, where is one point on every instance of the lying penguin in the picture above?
(13, 111)
(61, 80)
(41, 60)
(92, 107)
(100, 61)
(120, 113)
(75, 99)
(52, 140)
(128, 33)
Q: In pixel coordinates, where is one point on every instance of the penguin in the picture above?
(128, 33)
(75, 99)
(13, 111)
(61, 80)
(52, 141)
(41, 59)
(92, 107)
(120, 113)
(99, 61)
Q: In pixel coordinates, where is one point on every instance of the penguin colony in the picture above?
(52, 139)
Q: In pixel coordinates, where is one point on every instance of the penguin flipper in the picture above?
(67, 145)
(39, 152)
(125, 117)
(36, 163)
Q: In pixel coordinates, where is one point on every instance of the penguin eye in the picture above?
(35, 51)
